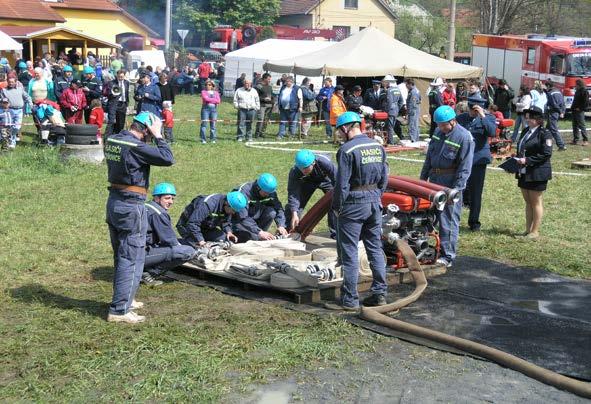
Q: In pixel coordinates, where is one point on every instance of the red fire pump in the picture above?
(500, 145)
(410, 209)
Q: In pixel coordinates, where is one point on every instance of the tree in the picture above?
(240, 12)
(427, 34)
(497, 16)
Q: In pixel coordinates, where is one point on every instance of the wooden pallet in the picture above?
(305, 295)
(581, 165)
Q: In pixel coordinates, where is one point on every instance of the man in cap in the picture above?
(63, 82)
(311, 172)
(392, 102)
(435, 101)
(413, 109)
(323, 98)
(482, 125)
(449, 163)
(92, 87)
(163, 250)
(129, 156)
(147, 96)
(209, 218)
(371, 98)
(361, 180)
(555, 109)
(264, 208)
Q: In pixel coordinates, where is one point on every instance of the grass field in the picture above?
(197, 344)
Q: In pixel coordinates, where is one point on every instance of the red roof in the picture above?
(103, 5)
(21, 31)
(29, 10)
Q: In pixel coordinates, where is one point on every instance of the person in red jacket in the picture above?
(204, 70)
(97, 117)
(168, 118)
(449, 95)
(73, 102)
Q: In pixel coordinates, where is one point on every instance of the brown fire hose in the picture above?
(377, 315)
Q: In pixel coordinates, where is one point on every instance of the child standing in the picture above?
(97, 117)
(6, 140)
(168, 118)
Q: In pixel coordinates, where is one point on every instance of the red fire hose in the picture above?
(437, 198)
(314, 216)
(452, 194)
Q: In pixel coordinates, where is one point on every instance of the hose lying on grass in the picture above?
(377, 315)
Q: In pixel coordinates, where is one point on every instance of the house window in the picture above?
(342, 32)
(352, 4)
(531, 56)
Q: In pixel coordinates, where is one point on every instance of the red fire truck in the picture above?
(226, 39)
(523, 59)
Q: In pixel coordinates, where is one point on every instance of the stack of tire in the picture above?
(81, 134)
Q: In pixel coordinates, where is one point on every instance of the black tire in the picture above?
(81, 140)
(81, 130)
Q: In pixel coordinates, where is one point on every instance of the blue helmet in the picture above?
(236, 200)
(22, 65)
(267, 182)
(444, 113)
(144, 118)
(304, 158)
(4, 61)
(164, 188)
(67, 68)
(88, 70)
(347, 118)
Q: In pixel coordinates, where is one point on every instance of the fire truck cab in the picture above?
(523, 59)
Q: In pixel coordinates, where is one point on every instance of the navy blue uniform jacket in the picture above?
(255, 203)
(537, 150)
(324, 171)
(160, 231)
(362, 162)
(481, 129)
(204, 212)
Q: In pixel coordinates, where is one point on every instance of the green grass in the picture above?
(197, 344)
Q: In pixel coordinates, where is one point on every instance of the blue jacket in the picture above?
(95, 89)
(393, 100)
(294, 103)
(256, 203)
(205, 212)
(129, 159)
(413, 101)
(362, 162)
(325, 92)
(160, 231)
(452, 151)
(322, 176)
(481, 129)
(555, 102)
(150, 102)
(60, 85)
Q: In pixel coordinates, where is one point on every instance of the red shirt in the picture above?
(97, 117)
(204, 70)
(168, 117)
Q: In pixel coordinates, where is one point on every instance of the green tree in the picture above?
(240, 12)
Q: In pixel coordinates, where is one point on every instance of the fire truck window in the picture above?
(579, 64)
(531, 56)
(557, 64)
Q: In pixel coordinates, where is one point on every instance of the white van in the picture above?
(150, 58)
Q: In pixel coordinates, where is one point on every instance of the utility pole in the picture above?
(167, 24)
(452, 31)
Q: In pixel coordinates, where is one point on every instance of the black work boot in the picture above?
(375, 300)
(148, 279)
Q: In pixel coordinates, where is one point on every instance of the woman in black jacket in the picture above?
(578, 108)
(534, 150)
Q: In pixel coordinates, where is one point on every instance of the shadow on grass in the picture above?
(35, 293)
(103, 274)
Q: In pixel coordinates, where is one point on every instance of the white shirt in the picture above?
(246, 99)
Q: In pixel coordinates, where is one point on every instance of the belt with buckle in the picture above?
(444, 170)
(129, 188)
(368, 187)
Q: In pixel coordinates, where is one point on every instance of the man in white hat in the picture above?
(435, 100)
(392, 102)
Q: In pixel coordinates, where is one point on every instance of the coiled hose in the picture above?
(377, 315)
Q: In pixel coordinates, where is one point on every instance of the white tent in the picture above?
(251, 59)
(9, 44)
(371, 53)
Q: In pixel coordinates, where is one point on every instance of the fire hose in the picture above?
(378, 316)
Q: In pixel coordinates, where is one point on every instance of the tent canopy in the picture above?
(372, 53)
(9, 44)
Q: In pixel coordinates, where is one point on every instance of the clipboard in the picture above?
(510, 165)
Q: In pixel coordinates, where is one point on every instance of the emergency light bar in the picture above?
(581, 43)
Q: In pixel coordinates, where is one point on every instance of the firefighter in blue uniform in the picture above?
(392, 103)
(163, 250)
(264, 207)
(435, 101)
(482, 125)
(555, 109)
(129, 157)
(311, 172)
(63, 82)
(208, 218)
(413, 110)
(361, 180)
(92, 87)
(449, 163)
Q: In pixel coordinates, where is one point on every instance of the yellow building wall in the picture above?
(103, 25)
(27, 23)
(331, 13)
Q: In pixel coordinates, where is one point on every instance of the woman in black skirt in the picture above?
(534, 150)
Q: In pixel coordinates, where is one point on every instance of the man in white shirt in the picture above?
(290, 105)
(246, 101)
